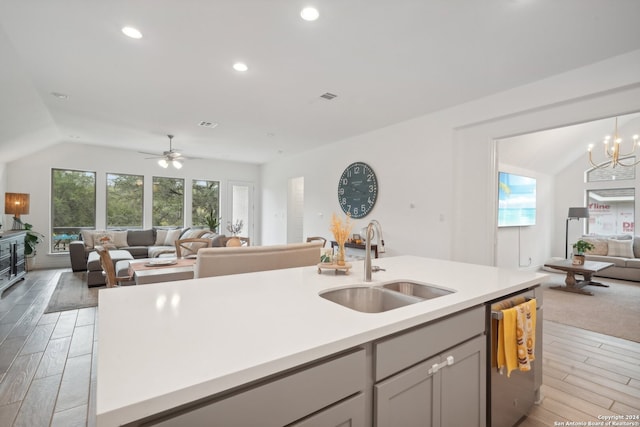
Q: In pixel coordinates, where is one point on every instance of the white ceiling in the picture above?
(386, 61)
(551, 151)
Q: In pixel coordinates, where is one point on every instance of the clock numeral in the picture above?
(371, 188)
(369, 177)
(345, 181)
(355, 211)
(356, 170)
(363, 208)
(343, 201)
(341, 191)
(349, 207)
(370, 201)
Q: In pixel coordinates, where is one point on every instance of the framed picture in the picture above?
(356, 237)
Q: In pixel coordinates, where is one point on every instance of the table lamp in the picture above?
(16, 204)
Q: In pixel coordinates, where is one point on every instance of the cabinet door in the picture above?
(349, 413)
(410, 398)
(463, 385)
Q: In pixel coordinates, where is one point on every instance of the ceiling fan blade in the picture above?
(150, 154)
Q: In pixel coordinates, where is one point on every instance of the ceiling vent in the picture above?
(328, 96)
(205, 124)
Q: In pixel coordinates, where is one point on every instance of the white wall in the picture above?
(443, 164)
(528, 247)
(32, 175)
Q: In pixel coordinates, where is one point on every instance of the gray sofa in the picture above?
(621, 250)
(151, 243)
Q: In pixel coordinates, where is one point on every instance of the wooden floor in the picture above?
(48, 369)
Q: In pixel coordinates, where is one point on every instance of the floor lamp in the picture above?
(574, 213)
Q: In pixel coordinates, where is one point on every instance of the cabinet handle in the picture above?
(437, 366)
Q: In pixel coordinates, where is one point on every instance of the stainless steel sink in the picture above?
(417, 289)
(376, 299)
(368, 299)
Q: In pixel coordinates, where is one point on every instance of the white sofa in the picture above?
(621, 250)
(246, 259)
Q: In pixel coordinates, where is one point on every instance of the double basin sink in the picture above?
(385, 297)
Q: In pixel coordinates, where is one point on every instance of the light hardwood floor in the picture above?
(48, 365)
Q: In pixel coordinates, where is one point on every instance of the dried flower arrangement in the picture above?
(341, 233)
(236, 227)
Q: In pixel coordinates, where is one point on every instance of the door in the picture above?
(241, 205)
(295, 210)
(410, 398)
(463, 385)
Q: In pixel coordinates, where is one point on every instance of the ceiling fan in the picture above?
(173, 156)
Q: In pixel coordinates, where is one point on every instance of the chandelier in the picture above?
(612, 151)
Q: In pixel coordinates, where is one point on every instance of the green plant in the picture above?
(582, 246)
(31, 240)
(213, 222)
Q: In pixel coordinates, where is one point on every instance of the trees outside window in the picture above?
(205, 201)
(73, 206)
(168, 202)
(125, 195)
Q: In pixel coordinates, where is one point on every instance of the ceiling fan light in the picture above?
(163, 163)
(176, 164)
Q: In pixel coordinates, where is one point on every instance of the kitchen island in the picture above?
(166, 346)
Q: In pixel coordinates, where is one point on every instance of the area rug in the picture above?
(72, 293)
(612, 311)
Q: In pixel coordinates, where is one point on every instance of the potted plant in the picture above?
(580, 247)
(213, 222)
(31, 240)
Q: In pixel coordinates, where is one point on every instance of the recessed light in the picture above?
(207, 124)
(60, 95)
(240, 66)
(134, 33)
(309, 14)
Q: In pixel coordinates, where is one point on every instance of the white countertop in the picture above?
(166, 344)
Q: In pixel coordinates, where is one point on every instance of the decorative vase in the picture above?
(234, 242)
(578, 260)
(340, 258)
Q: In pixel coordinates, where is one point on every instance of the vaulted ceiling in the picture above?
(386, 62)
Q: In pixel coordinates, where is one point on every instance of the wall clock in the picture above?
(357, 190)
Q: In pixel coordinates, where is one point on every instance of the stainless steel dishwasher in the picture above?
(510, 398)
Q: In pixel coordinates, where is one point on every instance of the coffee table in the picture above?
(145, 273)
(585, 270)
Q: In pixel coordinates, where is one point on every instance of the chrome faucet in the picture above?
(367, 256)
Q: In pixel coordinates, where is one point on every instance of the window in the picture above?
(611, 211)
(611, 174)
(205, 201)
(168, 202)
(73, 206)
(125, 201)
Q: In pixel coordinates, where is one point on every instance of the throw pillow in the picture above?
(120, 238)
(103, 238)
(161, 236)
(600, 246)
(172, 236)
(87, 237)
(621, 248)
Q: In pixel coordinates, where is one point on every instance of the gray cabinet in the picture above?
(446, 389)
(349, 413)
(12, 263)
(322, 394)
